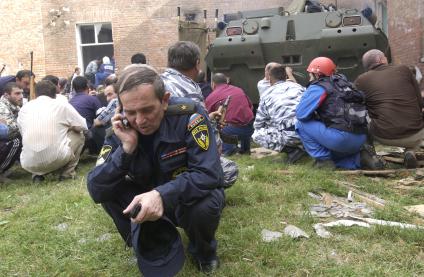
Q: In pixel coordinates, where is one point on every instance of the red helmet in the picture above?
(322, 66)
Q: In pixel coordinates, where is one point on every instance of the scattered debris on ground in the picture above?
(104, 237)
(322, 232)
(62, 227)
(268, 235)
(295, 232)
(259, 153)
(388, 173)
(374, 221)
(351, 213)
(363, 196)
(419, 209)
(338, 207)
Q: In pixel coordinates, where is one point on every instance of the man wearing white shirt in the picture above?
(55, 81)
(51, 134)
(264, 83)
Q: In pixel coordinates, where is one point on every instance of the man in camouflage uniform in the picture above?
(179, 79)
(275, 117)
(10, 147)
(183, 68)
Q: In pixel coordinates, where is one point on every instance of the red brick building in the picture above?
(64, 34)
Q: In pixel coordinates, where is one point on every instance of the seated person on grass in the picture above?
(326, 130)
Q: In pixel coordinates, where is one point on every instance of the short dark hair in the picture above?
(278, 72)
(23, 73)
(51, 78)
(200, 76)
(45, 87)
(138, 58)
(110, 80)
(10, 86)
(80, 83)
(183, 55)
(62, 82)
(219, 78)
(134, 75)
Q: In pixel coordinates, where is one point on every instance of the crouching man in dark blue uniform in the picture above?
(167, 161)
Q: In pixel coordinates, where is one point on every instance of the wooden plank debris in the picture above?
(381, 173)
(366, 197)
(419, 209)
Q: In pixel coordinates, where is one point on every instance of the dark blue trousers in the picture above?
(243, 133)
(199, 220)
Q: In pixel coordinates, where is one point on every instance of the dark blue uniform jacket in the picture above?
(185, 165)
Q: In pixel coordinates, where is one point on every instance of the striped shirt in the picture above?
(180, 85)
(44, 124)
(276, 116)
(106, 115)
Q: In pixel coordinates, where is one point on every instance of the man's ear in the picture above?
(165, 100)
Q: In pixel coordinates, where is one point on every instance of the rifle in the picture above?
(2, 69)
(223, 109)
(230, 139)
(32, 81)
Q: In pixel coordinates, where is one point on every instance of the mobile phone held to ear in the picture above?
(124, 120)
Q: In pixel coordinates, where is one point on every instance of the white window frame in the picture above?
(97, 27)
(382, 22)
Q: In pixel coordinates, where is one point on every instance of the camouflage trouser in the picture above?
(9, 153)
(275, 139)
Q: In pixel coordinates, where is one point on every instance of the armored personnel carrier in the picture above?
(247, 41)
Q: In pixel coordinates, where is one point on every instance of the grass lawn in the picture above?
(55, 229)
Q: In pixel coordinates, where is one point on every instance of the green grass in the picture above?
(264, 197)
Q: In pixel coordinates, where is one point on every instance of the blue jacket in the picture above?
(311, 100)
(4, 131)
(185, 165)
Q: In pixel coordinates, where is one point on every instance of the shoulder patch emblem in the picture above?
(201, 136)
(104, 154)
(195, 120)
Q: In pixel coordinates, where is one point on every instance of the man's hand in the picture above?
(289, 73)
(151, 206)
(128, 136)
(216, 115)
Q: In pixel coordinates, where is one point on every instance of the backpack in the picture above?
(350, 99)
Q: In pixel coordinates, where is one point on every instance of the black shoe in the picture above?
(370, 159)
(207, 267)
(64, 178)
(328, 164)
(410, 160)
(295, 155)
(38, 178)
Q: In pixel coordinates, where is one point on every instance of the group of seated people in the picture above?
(166, 161)
(48, 133)
(333, 120)
(318, 120)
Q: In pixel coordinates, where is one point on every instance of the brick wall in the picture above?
(21, 33)
(406, 32)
